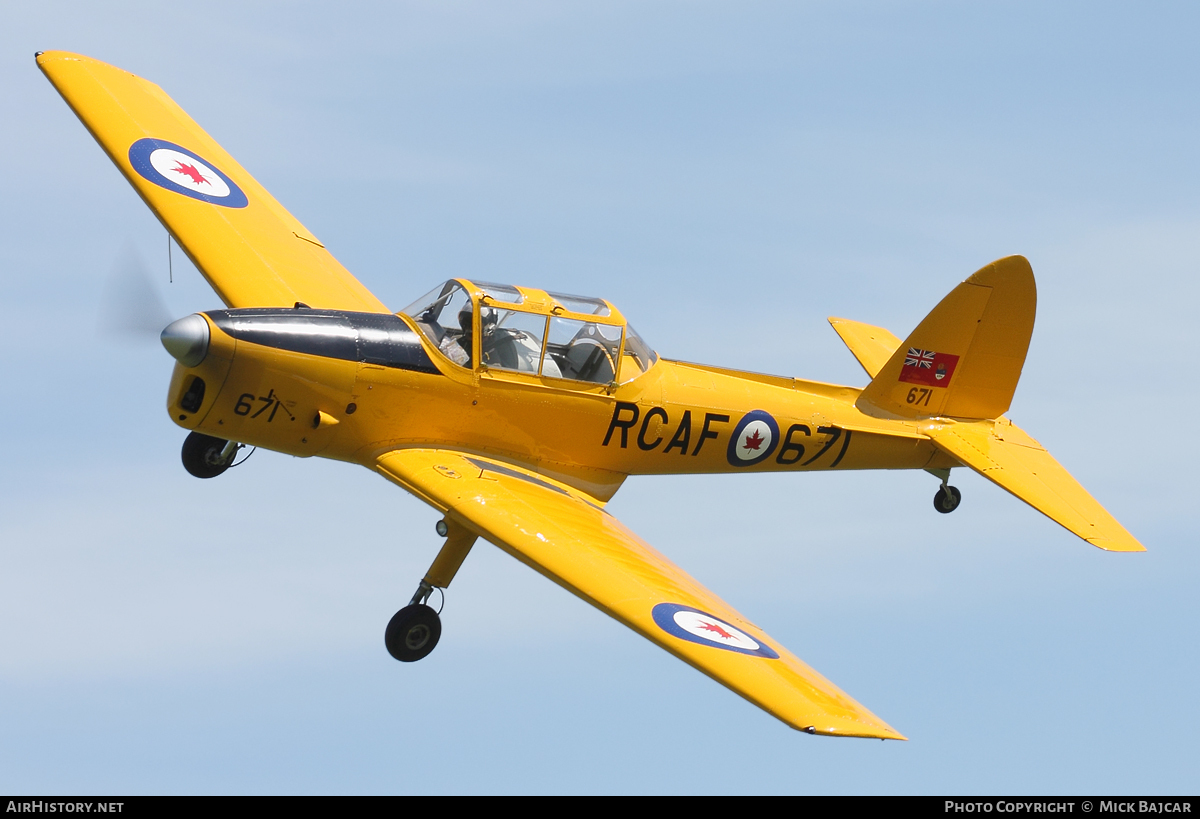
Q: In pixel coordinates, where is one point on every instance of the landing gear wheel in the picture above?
(947, 499)
(412, 633)
(202, 455)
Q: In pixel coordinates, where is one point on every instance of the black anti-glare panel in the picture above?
(373, 338)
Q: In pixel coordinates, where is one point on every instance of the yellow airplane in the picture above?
(517, 413)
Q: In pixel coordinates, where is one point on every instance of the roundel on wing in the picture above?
(179, 170)
(698, 626)
(754, 439)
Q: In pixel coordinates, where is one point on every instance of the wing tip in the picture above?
(1124, 545)
(45, 56)
(880, 732)
(44, 59)
(863, 725)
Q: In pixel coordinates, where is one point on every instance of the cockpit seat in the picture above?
(511, 350)
(428, 324)
(587, 360)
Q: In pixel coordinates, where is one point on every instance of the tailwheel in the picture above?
(947, 499)
(413, 632)
(207, 457)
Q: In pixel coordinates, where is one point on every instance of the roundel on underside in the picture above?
(698, 626)
(184, 172)
(754, 439)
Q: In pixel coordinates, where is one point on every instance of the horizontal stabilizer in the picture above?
(1005, 455)
(871, 345)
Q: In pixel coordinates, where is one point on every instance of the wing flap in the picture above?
(249, 248)
(1004, 454)
(578, 545)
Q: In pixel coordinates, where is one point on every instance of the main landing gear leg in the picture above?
(414, 631)
(947, 498)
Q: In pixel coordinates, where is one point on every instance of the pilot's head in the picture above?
(487, 320)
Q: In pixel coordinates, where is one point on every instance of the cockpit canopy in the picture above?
(554, 335)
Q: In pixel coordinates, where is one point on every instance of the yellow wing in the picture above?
(1004, 454)
(578, 545)
(252, 251)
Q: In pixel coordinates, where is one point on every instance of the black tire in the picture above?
(202, 455)
(947, 499)
(413, 632)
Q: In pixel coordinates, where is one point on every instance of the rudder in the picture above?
(965, 358)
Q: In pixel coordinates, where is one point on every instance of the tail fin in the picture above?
(965, 358)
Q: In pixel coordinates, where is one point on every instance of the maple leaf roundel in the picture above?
(182, 171)
(698, 626)
(754, 439)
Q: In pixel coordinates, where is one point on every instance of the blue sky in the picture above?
(729, 175)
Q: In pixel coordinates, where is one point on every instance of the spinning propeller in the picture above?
(134, 310)
(132, 307)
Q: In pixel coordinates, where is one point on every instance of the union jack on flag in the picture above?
(919, 358)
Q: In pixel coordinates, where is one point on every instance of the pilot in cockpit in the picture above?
(458, 348)
(534, 338)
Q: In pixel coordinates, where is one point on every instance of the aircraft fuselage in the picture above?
(262, 387)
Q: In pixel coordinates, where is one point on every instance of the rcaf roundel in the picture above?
(754, 439)
(698, 626)
(177, 169)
